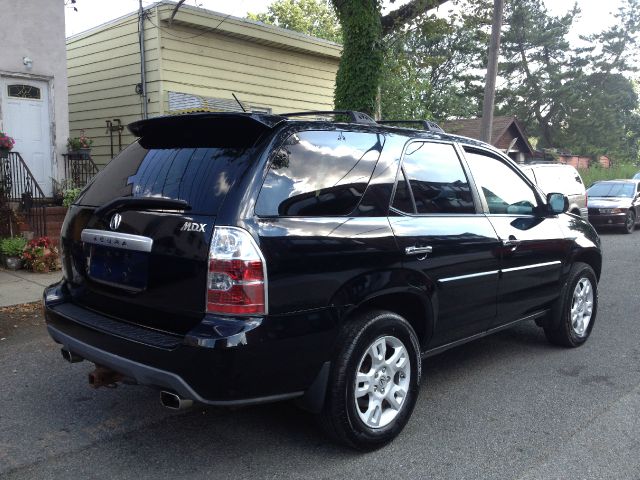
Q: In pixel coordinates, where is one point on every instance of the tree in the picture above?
(363, 30)
(431, 69)
(536, 67)
(313, 17)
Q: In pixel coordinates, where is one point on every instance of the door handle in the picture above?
(511, 242)
(418, 250)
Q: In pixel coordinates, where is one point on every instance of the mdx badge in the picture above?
(115, 221)
(193, 227)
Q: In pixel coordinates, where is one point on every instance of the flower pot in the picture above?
(4, 153)
(13, 263)
(80, 153)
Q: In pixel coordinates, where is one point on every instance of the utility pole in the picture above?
(492, 73)
(143, 70)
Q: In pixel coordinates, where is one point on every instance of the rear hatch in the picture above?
(136, 242)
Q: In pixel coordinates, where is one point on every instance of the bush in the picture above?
(69, 196)
(12, 246)
(597, 173)
(41, 256)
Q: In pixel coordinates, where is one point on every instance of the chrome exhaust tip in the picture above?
(69, 356)
(174, 401)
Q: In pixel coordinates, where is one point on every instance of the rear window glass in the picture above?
(319, 173)
(200, 176)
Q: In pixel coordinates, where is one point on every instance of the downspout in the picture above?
(143, 72)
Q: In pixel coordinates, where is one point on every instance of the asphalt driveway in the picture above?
(508, 406)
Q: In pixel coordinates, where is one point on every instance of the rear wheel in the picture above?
(374, 381)
(572, 318)
(630, 222)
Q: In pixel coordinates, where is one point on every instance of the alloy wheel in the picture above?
(382, 382)
(582, 306)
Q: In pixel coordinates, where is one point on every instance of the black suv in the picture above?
(234, 259)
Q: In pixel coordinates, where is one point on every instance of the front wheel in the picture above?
(572, 317)
(374, 381)
(630, 222)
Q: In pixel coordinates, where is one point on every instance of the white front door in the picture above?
(25, 118)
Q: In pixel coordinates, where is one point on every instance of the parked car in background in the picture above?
(235, 259)
(556, 177)
(636, 176)
(615, 203)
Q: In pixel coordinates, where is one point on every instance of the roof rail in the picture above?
(355, 117)
(427, 125)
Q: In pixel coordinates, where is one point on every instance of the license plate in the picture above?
(120, 268)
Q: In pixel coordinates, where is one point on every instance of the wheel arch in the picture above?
(412, 306)
(591, 257)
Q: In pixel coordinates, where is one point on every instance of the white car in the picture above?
(556, 177)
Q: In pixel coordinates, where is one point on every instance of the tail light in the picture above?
(237, 280)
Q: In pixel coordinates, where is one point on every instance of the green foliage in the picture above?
(12, 246)
(69, 195)
(596, 173)
(575, 99)
(313, 17)
(77, 143)
(430, 68)
(360, 67)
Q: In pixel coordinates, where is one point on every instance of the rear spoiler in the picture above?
(204, 130)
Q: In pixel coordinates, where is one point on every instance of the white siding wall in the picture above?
(104, 68)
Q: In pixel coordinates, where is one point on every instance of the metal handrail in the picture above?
(20, 187)
(79, 168)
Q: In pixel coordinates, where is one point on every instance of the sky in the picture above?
(595, 16)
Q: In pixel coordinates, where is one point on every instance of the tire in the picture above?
(629, 222)
(574, 313)
(366, 420)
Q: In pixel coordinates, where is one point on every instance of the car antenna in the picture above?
(239, 102)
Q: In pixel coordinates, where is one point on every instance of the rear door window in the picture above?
(436, 179)
(200, 176)
(319, 173)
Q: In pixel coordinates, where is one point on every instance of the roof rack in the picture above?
(428, 125)
(355, 117)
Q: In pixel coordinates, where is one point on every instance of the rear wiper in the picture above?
(148, 203)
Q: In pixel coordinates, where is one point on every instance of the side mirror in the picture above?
(557, 202)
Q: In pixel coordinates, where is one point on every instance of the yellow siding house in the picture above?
(193, 63)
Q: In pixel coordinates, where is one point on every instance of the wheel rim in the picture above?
(630, 221)
(382, 382)
(582, 306)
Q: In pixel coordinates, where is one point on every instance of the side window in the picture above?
(436, 178)
(319, 173)
(504, 191)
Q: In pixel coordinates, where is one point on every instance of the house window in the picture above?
(23, 91)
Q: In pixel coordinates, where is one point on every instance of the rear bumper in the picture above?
(221, 362)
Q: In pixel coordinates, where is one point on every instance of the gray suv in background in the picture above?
(563, 179)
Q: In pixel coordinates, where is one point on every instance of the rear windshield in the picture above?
(200, 176)
(611, 190)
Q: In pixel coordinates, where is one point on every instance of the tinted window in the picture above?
(201, 176)
(319, 173)
(503, 189)
(437, 180)
(611, 189)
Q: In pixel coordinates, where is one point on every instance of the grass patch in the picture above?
(594, 174)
